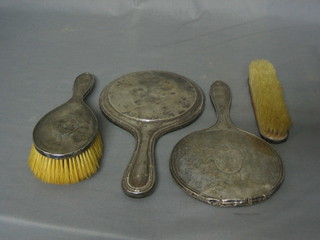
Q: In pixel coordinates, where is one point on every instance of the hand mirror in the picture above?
(149, 104)
(223, 165)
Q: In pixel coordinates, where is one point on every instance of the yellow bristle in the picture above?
(67, 170)
(268, 101)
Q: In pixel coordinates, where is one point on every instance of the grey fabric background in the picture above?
(44, 45)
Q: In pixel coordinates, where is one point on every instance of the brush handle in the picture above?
(82, 85)
(139, 177)
(220, 95)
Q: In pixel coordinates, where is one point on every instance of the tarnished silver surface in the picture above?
(223, 165)
(149, 104)
(70, 128)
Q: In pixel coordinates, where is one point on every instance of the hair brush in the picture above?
(67, 146)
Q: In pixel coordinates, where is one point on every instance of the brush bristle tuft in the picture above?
(268, 101)
(68, 170)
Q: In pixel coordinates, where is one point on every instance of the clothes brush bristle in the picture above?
(268, 101)
(67, 170)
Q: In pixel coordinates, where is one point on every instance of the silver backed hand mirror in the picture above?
(224, 165)
(149, 104)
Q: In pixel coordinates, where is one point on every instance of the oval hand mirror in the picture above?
(223, 165)
(149, 104)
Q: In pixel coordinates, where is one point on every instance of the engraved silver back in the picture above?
(148, 104)
(70, 128)
(223, 165)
